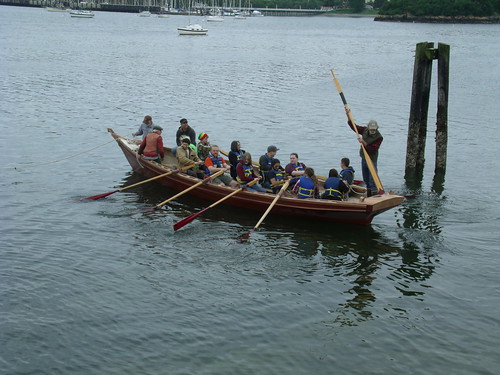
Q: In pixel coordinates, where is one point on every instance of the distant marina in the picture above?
(168, 7)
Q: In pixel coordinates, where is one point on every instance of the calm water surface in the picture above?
(92, 288)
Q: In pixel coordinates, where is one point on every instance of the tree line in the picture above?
(478, 8)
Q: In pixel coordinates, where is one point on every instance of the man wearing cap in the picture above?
(371, 139)
(152, 146)
(185, 129)
(265, 165)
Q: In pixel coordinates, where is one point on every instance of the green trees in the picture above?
(478, 8)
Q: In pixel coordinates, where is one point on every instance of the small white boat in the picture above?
(163, 15)
(145, 13)
(240, 16)
(215, 19)
(257, 13)
(194, 29)
(80, 13)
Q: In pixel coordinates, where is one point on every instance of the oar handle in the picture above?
(283, 188)
(189, 189)
(155, 178)
(368, 159)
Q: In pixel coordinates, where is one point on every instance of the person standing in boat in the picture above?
(346, 171)
(371, 139)
(276, 176)
(215, 163)
(245, 173)
(265, 163)
(334, 186)
(235, 156)
(307, 185)
(145, 128)
(187, 156)
(185, 130)
(151, 147)
(295, 168)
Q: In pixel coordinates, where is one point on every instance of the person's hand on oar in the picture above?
(99, 196)
(190, 218)
(278, 196)
(206, 180)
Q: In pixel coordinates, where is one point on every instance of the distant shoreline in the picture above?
(438, 19)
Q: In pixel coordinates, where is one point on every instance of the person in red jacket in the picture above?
(151, 147)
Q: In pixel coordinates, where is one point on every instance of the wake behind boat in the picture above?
(357, 210)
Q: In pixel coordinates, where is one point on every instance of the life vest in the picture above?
(279, 175)
(296, 167)
(269, 162)
(347, 174)
(306, 188)
(151, 149)
(248, 171)
(238, 155)
(217, 161)
(332, 187)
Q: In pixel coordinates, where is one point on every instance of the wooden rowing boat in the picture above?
(357, 210)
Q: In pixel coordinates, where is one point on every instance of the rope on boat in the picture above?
(30, 165)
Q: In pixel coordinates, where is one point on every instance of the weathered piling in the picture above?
(442, 108)
(425, 53)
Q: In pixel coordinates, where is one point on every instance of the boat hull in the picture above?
(192, 30)
(360, 212)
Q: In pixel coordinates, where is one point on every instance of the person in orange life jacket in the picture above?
(334, 186)
(187, 156)
(276, 176)
(245, 173)
(235, 156)
(265, 165)
(215, 163)
(295, 169)
(346, 171)
(145, 128)
(152, 146)
(307, 185)
(371, 139)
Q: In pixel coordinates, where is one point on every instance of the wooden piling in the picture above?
(442, 108)
(417, 126)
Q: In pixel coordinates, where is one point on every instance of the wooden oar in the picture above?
(368, 159)
(184, 191)
(278, 196)
(99, 196)
(190, 218)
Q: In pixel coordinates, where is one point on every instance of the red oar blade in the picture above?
(188, 219)
(246, 236)
(99, 196)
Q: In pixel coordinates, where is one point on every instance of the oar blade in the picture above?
(188, 219)
(245, 236)
(98, 196)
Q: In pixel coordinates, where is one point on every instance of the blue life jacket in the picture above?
(332, 187)
(306, 188)
(248, 171)
(347, 174)
(296, 167)
(269, 163)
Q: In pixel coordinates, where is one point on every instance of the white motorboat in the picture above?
(215, 19)
(145, 13)
(81, 13)
(194, 29)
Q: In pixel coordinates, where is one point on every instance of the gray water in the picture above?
(95, 288)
